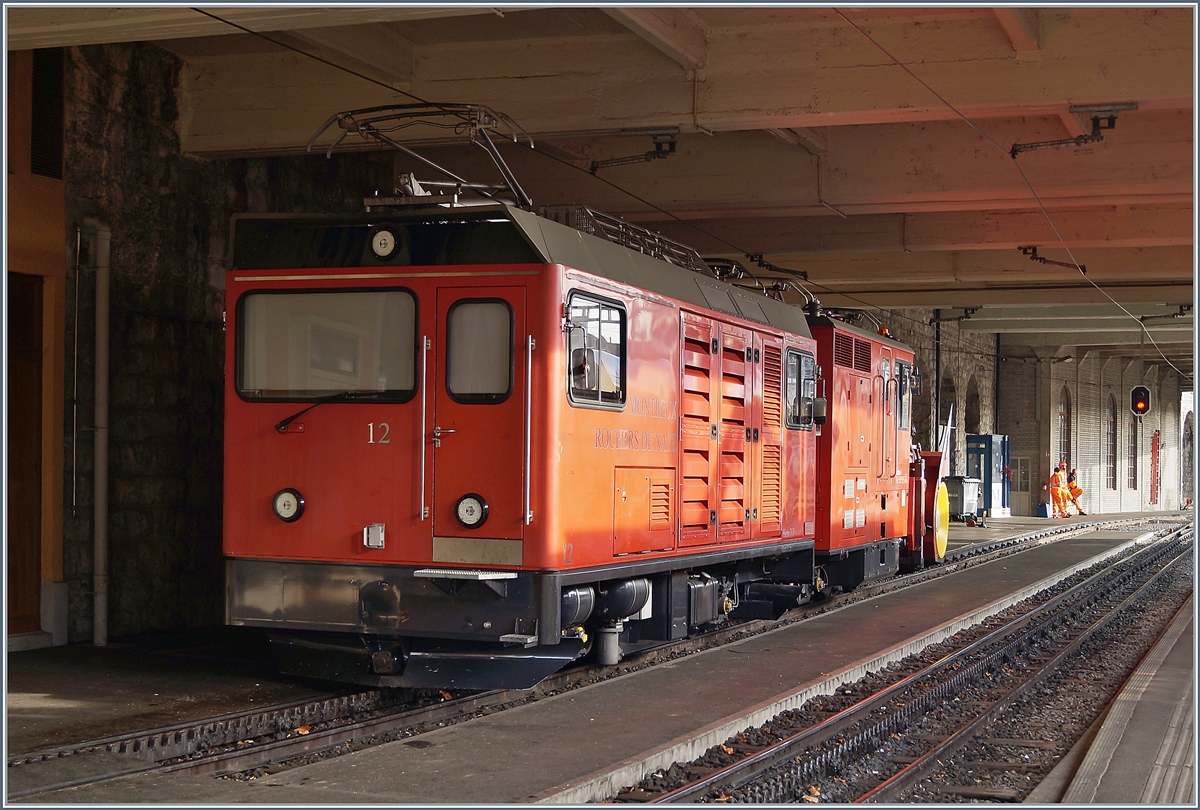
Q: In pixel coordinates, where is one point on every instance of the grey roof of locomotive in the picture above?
(561, 244)
(556, 243)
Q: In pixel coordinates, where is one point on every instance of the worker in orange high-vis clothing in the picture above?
(1074, 490)
(1058, 489)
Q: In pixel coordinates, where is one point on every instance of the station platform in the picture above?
(532, 753)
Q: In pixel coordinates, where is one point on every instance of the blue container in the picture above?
(1044, 510)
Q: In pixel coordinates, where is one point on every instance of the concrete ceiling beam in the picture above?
(812, 140)
(963, 295)
(59, 27)
(1021, 25)
(376, 48)
(834, 76)
(1095, 227)
(1050, 325)
(670, 30)
(817, 76)
(972, 279)
(1068, 312)
(1091, 340)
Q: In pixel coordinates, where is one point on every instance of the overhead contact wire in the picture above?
(1024, 178)
(697, 228)
(566, 163)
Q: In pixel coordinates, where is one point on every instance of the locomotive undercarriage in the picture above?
(844, 570)
(403, 626)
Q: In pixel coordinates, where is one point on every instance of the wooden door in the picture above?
(24, 452)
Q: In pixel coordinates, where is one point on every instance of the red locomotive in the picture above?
(466, 444)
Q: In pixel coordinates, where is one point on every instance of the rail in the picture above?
(894, 705)
(196, 747)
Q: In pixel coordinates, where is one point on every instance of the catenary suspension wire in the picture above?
(314, 57)
(680, 220)
(1142, 326)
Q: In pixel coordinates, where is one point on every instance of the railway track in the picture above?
(244, 741)
(1026, 651)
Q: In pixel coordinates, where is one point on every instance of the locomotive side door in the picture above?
(699, 415)
(476, 425)
(767, 513)
(886, 416)
(736, 431)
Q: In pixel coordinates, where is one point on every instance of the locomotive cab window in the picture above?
(904, 386)
(800, 389)
(317, 343)
(479, 351)
(595, 352)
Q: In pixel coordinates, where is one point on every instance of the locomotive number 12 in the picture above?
(384, 430)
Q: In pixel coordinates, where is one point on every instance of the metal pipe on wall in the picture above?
(100, 475)
(937, 375)
(996, 390)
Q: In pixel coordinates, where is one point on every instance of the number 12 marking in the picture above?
(384, 430)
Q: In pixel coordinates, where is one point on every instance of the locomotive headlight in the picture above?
(288, 505)
(383, 243)
(471, 510)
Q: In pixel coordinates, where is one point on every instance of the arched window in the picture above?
(1131, 474)
(1064, 427)
(1110, 443)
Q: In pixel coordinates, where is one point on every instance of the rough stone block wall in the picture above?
(968, 373)
(170, 217)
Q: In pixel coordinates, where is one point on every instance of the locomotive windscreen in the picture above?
(283, 243)
(307, 344)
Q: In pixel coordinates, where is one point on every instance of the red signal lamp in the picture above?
(1139, 400)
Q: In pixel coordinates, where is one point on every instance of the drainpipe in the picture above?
(100, 477)
(996, 390)
(937, 374)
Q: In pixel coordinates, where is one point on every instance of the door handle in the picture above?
(438, 433)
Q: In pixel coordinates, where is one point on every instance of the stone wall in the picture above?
(169, 215)
(967, 364)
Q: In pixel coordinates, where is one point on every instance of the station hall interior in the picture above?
(1008, 191)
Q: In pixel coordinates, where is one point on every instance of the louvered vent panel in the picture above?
(772, 482)
(843, 350)
(733, 488)
(862, 356)
(772, 380)
(733, 385)
(660, 505)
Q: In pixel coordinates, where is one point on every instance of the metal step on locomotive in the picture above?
(466, 444)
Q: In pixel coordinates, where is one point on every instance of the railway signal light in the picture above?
(1139, 400)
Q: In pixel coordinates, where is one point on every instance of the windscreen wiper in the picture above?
(343, 396)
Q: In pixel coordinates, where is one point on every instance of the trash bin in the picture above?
(1043, 510)
(964, 496)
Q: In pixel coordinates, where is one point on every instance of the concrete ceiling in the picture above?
(835, 146)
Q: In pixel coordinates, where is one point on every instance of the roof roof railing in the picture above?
(623, 233)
